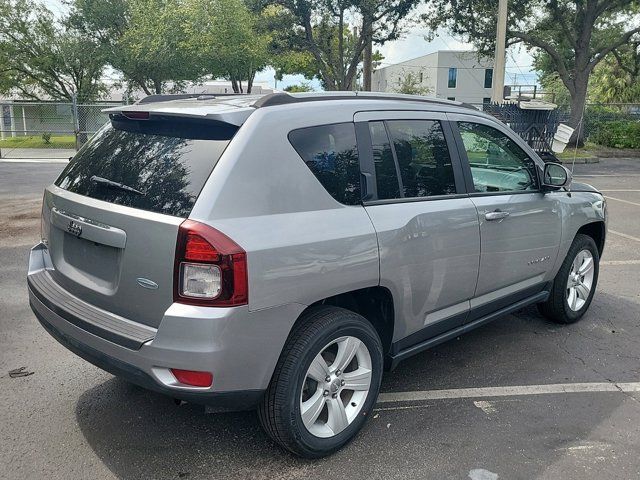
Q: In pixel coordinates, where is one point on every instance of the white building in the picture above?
(450, 74)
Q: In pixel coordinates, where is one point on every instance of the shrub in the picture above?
(617, 134)
(46, 136)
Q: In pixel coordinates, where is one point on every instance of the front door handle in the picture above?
(496, 215)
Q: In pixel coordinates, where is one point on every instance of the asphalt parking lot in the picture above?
(571, 409)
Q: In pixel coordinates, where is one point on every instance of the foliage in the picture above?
(223, 38)
(46, 137)
(331, 35)
(158, 43)
(567, 37)
(301, 87)
(42, 57)
(141, 38)
(617, 134)
(411, 83)
(617, 78)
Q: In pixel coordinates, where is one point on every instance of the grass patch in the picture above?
(58, 141)
(570, 152)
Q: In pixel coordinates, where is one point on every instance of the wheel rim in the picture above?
(580, 280)
(335, 387)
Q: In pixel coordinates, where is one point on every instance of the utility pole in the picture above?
(367, 54)
(497, 95)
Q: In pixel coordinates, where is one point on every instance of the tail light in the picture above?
(210, 268)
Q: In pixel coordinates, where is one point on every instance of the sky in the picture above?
(519, 69)
(412, 44)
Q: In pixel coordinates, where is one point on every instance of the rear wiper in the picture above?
(111, 184)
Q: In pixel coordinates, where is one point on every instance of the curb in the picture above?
(580, 161)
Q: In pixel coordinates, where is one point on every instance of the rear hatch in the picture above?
(111, 219)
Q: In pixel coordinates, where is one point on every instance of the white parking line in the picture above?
(34, 160)
(510, 391)
(621, 200)
(624, 235)
(617, 190)
(609, 175)
(619, 262)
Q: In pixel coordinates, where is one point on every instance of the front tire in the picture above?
(325, 384)
(575, 283)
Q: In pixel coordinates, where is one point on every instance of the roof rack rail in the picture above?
(283, 98)
(183, 96)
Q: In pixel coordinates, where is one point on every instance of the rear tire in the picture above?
(336, 401)
(574, 284)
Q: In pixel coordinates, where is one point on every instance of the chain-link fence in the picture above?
(47, 129)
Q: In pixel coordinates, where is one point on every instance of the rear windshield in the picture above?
(159, 166)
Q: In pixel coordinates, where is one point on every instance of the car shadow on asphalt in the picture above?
(141, 434)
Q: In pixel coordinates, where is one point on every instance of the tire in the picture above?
(558, 307)
(328, 331)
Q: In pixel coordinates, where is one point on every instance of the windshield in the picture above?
(159, 166)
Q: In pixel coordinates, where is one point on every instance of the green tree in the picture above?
(568, 37)
(41, 56)
(223, 38)
(334, 34)
(411, 83)
(302, 87)
(142, 39)
(617, 78)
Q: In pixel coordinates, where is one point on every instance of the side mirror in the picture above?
(555, 175)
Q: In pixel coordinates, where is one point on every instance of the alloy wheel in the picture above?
(580, 280)
(335, 387)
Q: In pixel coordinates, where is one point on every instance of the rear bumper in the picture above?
(240, 348)
(234, 400)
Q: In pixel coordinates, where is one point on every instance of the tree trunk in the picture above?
(252, 75)
(578, 100)
(157, 86)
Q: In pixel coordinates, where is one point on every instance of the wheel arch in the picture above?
(375, 304)
(595, 230)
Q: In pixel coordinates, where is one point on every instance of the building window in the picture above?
(486, 100)
(488, 78)
(451, 98)
(453, 77)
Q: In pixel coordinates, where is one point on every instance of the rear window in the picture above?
(155, 165)
(331, 153)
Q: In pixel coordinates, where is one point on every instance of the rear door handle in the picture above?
(496, 215)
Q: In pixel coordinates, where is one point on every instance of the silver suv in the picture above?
(279, 252)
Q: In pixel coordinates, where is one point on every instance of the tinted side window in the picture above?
(423, 157)
(497, 163)
(331, 153)
(386, 173)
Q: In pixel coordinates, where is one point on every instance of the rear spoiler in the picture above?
(184, 96)
(184, 107)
